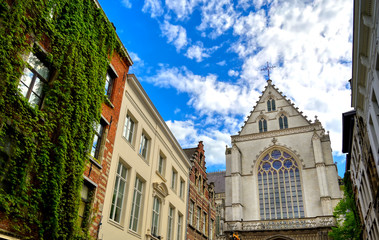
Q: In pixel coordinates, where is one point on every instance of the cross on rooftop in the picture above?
(267, 68)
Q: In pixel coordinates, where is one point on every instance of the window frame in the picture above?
(111, 73)
(161, 164)
(99, 132)
(180, 226)
(35, 74)
(135, 216)
(144, 146)
(283, 122)
(156, 216)
(170, 222)
(262, 125)
(181, 188)
(198, 216)
(174, 179)
(271, 106)
(191, 212)
(129, 130)
(119, 178)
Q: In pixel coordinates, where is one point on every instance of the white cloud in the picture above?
(182, 8)
(154, 7)
(217, 15)
(134, 57)
(207, 95)
(188, 135)
(198, 51)
(175, 34)
(221, 63)
(233, 73)
(126, 3)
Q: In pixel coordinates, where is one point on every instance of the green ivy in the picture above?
(346, 213)
(42, 177)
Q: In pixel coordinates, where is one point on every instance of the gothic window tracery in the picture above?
(262, 125)
(283, 122)
(280, 192)
(271, 105)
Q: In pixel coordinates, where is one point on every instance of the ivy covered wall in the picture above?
(43, 151)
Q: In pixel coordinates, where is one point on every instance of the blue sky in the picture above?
(200, 60)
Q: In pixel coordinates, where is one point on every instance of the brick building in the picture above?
(56, 82)
(218, 180)
(201, 208)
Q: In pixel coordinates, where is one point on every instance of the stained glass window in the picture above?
(280, 193)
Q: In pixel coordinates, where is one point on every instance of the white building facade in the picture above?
(281, 181)
(147, 190)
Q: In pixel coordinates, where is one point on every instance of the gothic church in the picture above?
(281, 181)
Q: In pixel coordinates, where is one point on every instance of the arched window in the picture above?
(262, 125)
(280, 194)
(283, 122)
(271, 105)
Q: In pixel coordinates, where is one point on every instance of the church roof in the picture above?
(282, 106)
(218, 178)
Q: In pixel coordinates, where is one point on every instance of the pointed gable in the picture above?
(273, 112)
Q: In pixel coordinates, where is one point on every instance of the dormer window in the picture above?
(271, 105)
(262, 125)
(283, 122)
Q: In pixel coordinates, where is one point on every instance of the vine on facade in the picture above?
(43, 150)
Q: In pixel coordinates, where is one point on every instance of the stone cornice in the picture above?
(281, 224)
(277, 133)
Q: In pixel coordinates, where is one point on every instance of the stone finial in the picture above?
(274, 140)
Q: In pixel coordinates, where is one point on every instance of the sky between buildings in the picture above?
(199, 61)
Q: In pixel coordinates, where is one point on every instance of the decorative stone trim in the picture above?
(276, 133)
(281, 224)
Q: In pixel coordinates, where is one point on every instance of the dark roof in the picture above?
(218, 178)
(189, 152)
(347, 130)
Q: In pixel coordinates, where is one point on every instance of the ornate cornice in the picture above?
(277, 133)
(281, 224)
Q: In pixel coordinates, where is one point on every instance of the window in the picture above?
(190, 220)
(109, 81)
(283, 122)
(262, 125)
(161, 164)
(118, 193)
(155, 221)
(204, 220)
(36, 74)
(170, 223)
(180, 223)
(136, 206)
(211, 230)
(181, 190)
(97, 139)
(143, 146)
(128, 128)
(198, 218)
(174, 176)
(280, 193)
(271, 105)
(85, 193)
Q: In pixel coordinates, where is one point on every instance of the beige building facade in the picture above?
(281, 181)
(147, 191)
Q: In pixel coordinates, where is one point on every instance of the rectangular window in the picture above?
(128, 129)
(181, 189)
(198, 218)
(170, 223)
(85, 194)
(180, 223)
(161, 164)
(136, 206)
(173, 179)
(97, 139)
(35, 76)
(204, 220)
(118, 193)
(155, 221)
(211, 230)
(109, 81)
(190, 220)
(144, 146)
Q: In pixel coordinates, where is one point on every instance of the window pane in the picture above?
(37, 65)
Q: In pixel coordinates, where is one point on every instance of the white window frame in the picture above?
(129, 128)
(198, 218)
(170, 223)
(174, 178)
(161, 164)
(144, 146)
(155, 218)
(119, 192)
(181, 188)
(136, 205)
(180, 223)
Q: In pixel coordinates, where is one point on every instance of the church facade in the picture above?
(281, 181)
